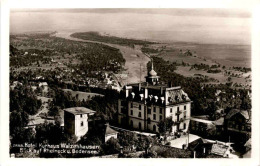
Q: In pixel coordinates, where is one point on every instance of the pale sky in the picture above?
(230, 26)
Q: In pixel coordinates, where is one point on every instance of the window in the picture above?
(139, 115)
(154, 109)
(154, 128)
(230, 125)
(140, 107)
(131, 112)
(178, 109)
(171, 110)
(149, 111)
(154, 116)
(184, 114)
(237, 126)
(131, 105)
(81, 124)
(140, 126)
(160, 110)
(149, 121)
(184, 125)
(185, 107)
(160, 117)
(80, 115)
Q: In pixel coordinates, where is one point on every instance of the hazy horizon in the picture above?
(208, 26)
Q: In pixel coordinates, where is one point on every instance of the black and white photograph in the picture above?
(130, 83)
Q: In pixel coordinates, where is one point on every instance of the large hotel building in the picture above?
(146, 103)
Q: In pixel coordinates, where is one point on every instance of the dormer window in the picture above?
(184, 97)
(177, 98)
(169, 99)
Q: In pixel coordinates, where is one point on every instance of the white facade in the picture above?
(147, 103)
(76, 121)
(146, 118)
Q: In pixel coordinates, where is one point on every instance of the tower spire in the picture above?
(152, 63)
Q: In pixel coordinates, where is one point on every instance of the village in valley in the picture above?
(95, 95)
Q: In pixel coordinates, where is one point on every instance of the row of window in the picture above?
(239, 127)
(140, 115)
(140, 126)
(149, 110)
(161, 109)
(178, 109)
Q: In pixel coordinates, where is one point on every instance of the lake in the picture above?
(231, 34)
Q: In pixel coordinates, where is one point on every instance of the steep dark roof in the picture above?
(232, 112)
(193, 145)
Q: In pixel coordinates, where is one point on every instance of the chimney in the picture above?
(145, 93)
(133, 95)
(126, 93)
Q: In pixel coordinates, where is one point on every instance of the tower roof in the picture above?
(152, 72)
(79, 110)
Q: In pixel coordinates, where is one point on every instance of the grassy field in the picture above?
(221, 77)
(228, 55)
(225, 56)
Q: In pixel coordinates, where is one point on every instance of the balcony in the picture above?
(180, 121)
(178, 113)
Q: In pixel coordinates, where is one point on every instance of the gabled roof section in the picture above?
(219, 122)
(248, 143)
(109, 131)
(177, 96)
